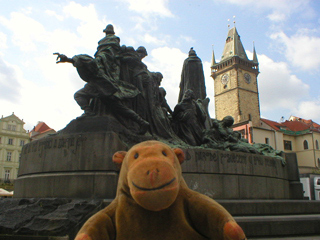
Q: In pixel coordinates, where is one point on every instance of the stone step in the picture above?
(24, 237)
(275, 219)
(289, 238)
(270, 207)
(282, 225)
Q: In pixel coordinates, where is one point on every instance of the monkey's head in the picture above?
(151, 174)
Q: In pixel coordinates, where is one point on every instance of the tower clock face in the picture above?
(247, 77)
(224, 79)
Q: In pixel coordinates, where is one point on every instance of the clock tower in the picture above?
(235, 82)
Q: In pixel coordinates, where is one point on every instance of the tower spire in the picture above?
(255, 57)
(233, 46)
(213, 60)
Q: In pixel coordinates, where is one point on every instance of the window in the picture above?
(10, 141)
(0, 140)
(19, 158)
(305, 144)
(317, 145)
(242, 133)
(21, 142)
(7, 175)
(287, 145)
(11, 127)
(267, 141)
(9, 156)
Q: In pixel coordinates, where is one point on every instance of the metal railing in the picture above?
(6, 181)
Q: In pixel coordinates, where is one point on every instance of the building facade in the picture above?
(235, 82)
(237, 95)
(12, 138)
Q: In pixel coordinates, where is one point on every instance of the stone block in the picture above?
(214, 185)
(71, 152)
(68, 185)
(296, 190)
(292, 166)
(200, 161)
(276, 188)
(253, 187)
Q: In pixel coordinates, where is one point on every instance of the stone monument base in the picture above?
(79, 165)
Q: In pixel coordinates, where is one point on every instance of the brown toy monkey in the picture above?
(153, 202)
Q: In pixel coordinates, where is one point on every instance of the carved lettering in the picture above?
(40, 145)
(188, 156)
(206, 156)
(258, 161)
(270, 163)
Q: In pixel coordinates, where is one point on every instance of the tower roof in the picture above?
(255, 57)
(213, 60)
(233, 46)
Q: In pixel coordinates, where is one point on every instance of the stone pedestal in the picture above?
(79, 165)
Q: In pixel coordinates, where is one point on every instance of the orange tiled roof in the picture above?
(298, 124)
(41, 128)
(273, 124)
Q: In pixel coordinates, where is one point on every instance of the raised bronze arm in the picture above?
(61, 58)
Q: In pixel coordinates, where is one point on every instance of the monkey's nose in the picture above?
(154, 171)
(153, 176)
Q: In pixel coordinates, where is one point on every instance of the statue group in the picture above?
(119, 84)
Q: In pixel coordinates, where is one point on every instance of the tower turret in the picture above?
(235, 82)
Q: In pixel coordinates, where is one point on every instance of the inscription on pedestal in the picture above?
(55, 143)
(215, 161)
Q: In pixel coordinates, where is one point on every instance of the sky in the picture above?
(285, 33)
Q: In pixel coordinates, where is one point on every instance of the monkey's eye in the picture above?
(164, 153)
(136, 156)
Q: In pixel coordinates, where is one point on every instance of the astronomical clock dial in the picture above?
(224, 79)
(247, 77)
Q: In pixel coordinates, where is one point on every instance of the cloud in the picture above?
(10, 85)
(209, 87)
(302, 49)
(54, 14)
(148, 13)
(150, 7)
(91, 27)
(278, 87)
(187, 39)
(308, 110)
(3, 40)
(150, 39)
(280, 9)
(169, 62)
(27, 34)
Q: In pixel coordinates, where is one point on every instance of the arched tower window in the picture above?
(317, 145)
(305, 144)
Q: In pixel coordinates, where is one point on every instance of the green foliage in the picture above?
(316, 171)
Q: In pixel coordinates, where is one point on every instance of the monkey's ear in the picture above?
(180, 154)
(118, 157)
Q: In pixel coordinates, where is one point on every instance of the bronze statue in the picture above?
(192, 77)
(188, 119)
(119, 85)
(102, 75)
